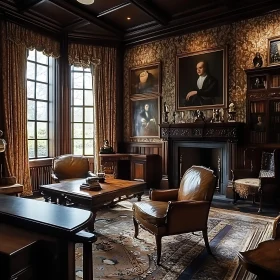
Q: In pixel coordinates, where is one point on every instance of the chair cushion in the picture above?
(197, 184)
(154, 212)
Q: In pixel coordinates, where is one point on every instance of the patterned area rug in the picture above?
(118, 255)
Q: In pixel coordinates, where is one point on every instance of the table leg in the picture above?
(91, 224)
(139, 195)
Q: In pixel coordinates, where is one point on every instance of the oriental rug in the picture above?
(118, 255)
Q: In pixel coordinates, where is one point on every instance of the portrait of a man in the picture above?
(145, 80)
(145, 118)
(201, 80)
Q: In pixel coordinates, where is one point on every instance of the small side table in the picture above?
(246, 187)
(264, 261)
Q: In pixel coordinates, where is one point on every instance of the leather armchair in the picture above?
(177, 211)
(8, 185)
(67, 167)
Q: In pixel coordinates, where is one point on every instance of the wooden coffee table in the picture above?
(113, 190)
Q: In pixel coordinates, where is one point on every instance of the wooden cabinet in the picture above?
(146, 168)
(263, 104)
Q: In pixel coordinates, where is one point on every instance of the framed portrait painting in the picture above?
(145, 79)
(273, 51)
(145, 117)
(201, 80)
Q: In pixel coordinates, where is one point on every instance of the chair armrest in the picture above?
(5, 181)
(244, 173)
(90, 174)
(276, 228)
(187, 216)
(163, 195)
(56, 180)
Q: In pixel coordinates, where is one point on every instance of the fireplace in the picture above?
(210, 144)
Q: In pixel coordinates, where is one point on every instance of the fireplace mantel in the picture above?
(224, 131)
(224, 135)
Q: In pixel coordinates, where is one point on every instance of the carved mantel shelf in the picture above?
(224, 131)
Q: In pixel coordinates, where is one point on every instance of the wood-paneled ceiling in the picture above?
(107, 20)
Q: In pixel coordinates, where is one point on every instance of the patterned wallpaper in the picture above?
(243, 38)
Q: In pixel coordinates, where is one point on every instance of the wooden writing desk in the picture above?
(56, 224)
(146, 168)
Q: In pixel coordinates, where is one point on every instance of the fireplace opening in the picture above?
(208, 157)
(213, 155)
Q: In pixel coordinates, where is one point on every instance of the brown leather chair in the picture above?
(177, 211)
(8, 185)
(67, 167)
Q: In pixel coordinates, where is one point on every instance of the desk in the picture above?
(60, 225)
(146, 168)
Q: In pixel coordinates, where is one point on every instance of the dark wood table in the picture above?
(264, 261)
(113, 190)
(53, 223)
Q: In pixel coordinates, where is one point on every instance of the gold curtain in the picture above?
(15, 110)
(103, 61)
(14, 41)
(33, 40)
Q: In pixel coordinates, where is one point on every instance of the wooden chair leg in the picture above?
(136, 228)
(205, 237)
(158, 242)
(261, 201)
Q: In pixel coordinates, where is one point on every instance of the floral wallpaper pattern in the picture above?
(243, 38)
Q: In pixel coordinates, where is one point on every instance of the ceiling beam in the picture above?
(87, 16)
(113, 9)
(152, 11)
(75, 25)
(25, 5)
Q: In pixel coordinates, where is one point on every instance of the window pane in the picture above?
(88, 80)
(42, 130)
(42, 91)
(78, 147)
(78, 97)
(89, 130)
(31, 110)
(41, 58)
(31, 130)
(78, 130)
(75, 68)
(31, 148)
(31, 55)
(78, 114)
(42, 148)
(30, 89)
(42, 73)
(78, 80)
(89, 145)
(42, 111)
(89, 97)
(30, 73)
(89, 115)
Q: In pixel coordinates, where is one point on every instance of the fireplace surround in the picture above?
(221, 136)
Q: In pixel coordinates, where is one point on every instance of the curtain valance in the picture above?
(32, 40)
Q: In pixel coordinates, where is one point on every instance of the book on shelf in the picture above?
(258, 137)
(257, 107)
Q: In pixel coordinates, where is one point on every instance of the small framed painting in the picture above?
(145, 117)
(273, 51)
(145, 79)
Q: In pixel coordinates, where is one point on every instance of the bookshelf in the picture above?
(263, 104)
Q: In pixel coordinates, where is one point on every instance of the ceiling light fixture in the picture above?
(86, 2)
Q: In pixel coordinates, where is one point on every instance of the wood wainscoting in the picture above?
(147, 148)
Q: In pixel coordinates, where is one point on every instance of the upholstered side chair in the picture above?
(69, 167)
(176, 211)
